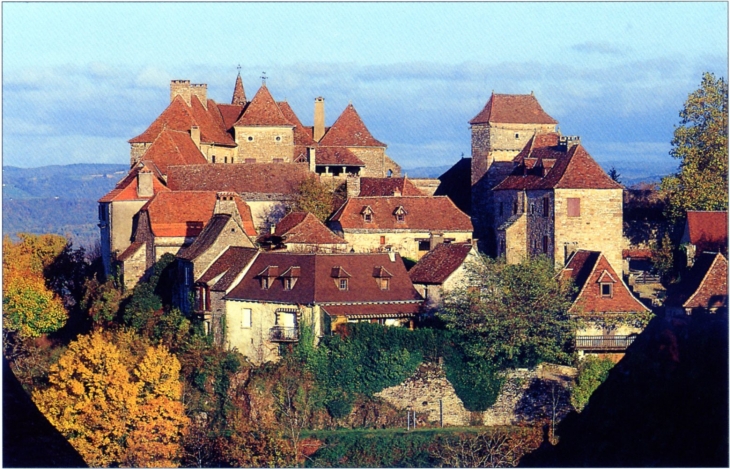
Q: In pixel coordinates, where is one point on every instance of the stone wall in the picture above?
(527, 396)
(426, 185)
(377, 163)
(265, 144)
(218, 154)
(231, 235)
(404, 242)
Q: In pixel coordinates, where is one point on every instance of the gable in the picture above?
(512, 109)
(349, 131)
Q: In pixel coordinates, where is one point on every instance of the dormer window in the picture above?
(382, 277)
(289, 283)
(605, 284)
(400, 214)
(367, 214)
(267, 276)
(265, 283)
(340, 277)
(607, 290)
(290, 277)
(384, 283)
(343, 284)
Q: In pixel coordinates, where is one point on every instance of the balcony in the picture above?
(603, 343)
(284, 334)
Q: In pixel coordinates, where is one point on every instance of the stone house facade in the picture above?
(440, 271)
(408, 225)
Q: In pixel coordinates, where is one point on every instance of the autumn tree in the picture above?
(314, 197)
(117, 400)
(700, 143)
(513, 315)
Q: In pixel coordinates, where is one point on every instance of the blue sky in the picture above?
(80, 79)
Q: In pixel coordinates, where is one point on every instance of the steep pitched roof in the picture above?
(126, 189)
(263, 111)
(437, 265)
(456, 184)
(177, 116)
(255, 178)
(239, 95)
(317, 285)
(704, 286)
(206, 238)
(211, 124)
(588, 269)
(513, 109)
(230, 114)
(131, 250)
(180, 213)
(172, 148)
(336, 156)
(386, 187)
(349, 131)
(423, 213)
(305, 228)
(302, 136)
(224, 270)
(706, 230)
(544, 166)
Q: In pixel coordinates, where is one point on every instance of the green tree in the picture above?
(700, 143)
(514, 315)
(592, 372)
(614, 174)
(314, 197)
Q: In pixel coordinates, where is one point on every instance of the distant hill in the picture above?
(425, 171)
(57, 199)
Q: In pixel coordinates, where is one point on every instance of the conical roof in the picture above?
(263, 111)
(349, 131)
(239, 95)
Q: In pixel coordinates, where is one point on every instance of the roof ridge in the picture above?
(704, 277)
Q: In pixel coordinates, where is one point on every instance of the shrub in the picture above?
(592, 372)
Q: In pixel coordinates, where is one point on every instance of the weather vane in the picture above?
(239, 69)
(263, 77)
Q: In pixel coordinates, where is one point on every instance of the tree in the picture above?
(700, 143)
(117, 400)
(30, 308)
(513, 315)
(314, 197)
(592, 372)
(614, 174)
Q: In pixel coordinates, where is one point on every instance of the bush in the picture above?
(592, 372)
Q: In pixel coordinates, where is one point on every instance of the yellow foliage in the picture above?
(30, 308)
(113, 408)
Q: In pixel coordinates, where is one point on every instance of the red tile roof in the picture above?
(172, 148)
(386, 187)
(177, 116)
(349, 131)
(131, 250)
(305, 228)
(302, 136)
(436, 266)
(263, 111)
(550, 167)
(316, 284)
(704, 286)
(255, 178)
(423, 213)
(230, 114)
(336, 156)
(126, 189)
(513, 109)
(374, 311)
(239, 95)
(226, 268)
(180, 213)
(587, 269)
(706, 230)
(211, 124)
(636, 254)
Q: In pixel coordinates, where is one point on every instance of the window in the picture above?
(265, 283)
(400, 218)
(607, 290)
(277, 138)
(545, 207)
(186, 271)
(424, 245)
(502, 246)
(382, 240)
(250, 138)
(278, 160)
(289, 283)
(514, 208)
(517, 135)
(245, 318)
(368, 217)
(225, 159)
(532, 208)
(212, 159)
(545, 244)
(573, 207)
(384, 283)
(343, 284)
(250, 160)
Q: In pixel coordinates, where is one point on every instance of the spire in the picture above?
(239, 96)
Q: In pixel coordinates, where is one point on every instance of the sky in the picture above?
(80, 79)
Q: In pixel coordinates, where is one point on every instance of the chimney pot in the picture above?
(318, 118)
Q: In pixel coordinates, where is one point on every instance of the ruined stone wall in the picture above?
(599, 226)
(264, 144)
(479, 151)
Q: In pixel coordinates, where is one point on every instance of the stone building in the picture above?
(302, 232)
(602, 297)
(498, 133)
(408, 225)
(557, 200)
(703, 289)
(282, 292)
(441, 271)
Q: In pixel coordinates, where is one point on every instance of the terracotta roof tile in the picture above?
(423, 213)
(210, 122)
(130, 251)
(707, 230)
(239, 95)
(513, 109)
(386, 187)
(704, 286)
(180, 213)
(229, 265)
(255, 178)
(126, 189)
(172, 148)
(349, 131)
(588, 269)
(316, 284)
(305, 228)
(302, 135)
(230, 114)
(437, 265)
(177, 116)
(263, 111)
(336, 156)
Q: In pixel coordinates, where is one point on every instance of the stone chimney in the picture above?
(565, 142)
(195, 135)
(144, 183)
(201, 91)
(225, 202)
(181, 88)
(318, 118)
(435, 240)
(397, 192)
(353, 185)
(312, 160)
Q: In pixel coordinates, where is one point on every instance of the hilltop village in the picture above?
(216, 185)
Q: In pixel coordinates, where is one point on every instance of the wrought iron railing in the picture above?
(599, 342)
(284, 334)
